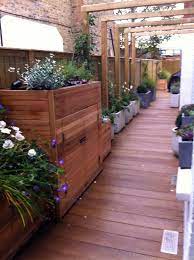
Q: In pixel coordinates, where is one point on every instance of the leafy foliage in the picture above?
(163, 74)
(187, 110)
(142, 88)
(186, 132)
(27, 179)
(175, 88)
(149, 83)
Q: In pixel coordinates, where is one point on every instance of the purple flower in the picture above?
(1, 107)
(64, 188)
(53, 143)
(57, 199)
(25, 193)
(36, 188)
(61, 162)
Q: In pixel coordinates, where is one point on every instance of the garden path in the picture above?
(124, 212)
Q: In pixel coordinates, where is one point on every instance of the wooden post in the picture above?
(117, 61)
(85, 24)
(104, 61)
(133, 59)
(126, 35)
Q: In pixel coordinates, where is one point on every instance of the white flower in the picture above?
(15, 128)
(2, 124)
(8, 144)
(31, 153)
(5, 131)
(19, 136)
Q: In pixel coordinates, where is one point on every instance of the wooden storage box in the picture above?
(105, 140)
(71, 116)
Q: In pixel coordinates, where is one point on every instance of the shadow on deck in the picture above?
(124, 212)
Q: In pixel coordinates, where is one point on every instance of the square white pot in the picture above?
(137, 107)
(119, 121)
(175, 142)
(112, 132)
(128, 111)
(174, 100)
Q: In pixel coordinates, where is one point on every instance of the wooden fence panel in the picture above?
(172, 65)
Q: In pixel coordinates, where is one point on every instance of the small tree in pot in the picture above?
(163, 77)
(185, 146)
(175, 95)
(144, 95)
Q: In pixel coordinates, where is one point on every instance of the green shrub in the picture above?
(142, 89)
(149, 83)
(163, 74)
(175, 88)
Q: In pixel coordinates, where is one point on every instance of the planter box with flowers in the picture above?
(151, 86)
(185, 146)
(64, 121)
(128, 111)
(28, 189)
(175, 95)
(185, 116)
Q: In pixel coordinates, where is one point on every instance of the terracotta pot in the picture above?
(162, 84)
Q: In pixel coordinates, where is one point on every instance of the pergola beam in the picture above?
(128, 4)
(163, 33)
(155, 23)
(160, 28)
(109, 18)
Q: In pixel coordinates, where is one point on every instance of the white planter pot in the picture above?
(174, 100)
(175, 142)
(128, 111)
(119, 121)
(137, 107)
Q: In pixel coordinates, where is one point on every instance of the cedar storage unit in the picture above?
(70, 115)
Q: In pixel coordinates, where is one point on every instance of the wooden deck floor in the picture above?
(124, 212)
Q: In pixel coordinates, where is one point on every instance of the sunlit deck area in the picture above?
(126, 209)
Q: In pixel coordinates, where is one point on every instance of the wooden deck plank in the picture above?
(124, 212)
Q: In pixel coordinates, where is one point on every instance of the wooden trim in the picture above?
(155, 23)
(128, 4)
(160, 28)
(52, 120)
(163, 33)
(133, 59)
(126, 38)
(117, 62)
(85, 24)
(104, 62)
(109, 18)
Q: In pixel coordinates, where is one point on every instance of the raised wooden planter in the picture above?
(162, 84)
(12, 232)
(71, 116)
(105, 139)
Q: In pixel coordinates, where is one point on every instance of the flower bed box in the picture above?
(174, 100)
(144, 99)
(71, 116)
(185, 154)
(13, 234)
(105, 139)
(187, 120)
(128, 111)
(119, 121)
(162, 84)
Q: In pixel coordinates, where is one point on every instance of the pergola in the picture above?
(175, 26)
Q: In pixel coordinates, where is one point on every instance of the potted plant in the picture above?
(175, 95)
(185, 116)
(185, 146)
(135, 102)
(144, 95)
(150, 84)
(162, 81)
(28, 188)
(118, 114)
(50, 108)
(127, 105)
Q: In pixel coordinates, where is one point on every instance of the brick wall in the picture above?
(56, 13)
(64, 14)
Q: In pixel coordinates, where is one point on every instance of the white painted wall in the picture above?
(27, 34)
(187, 71)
